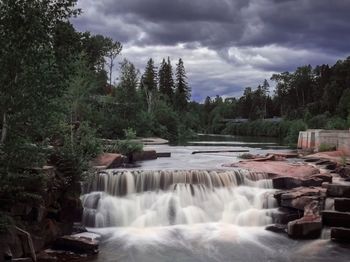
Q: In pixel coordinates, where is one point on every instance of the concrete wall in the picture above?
(314, 138)
(344, 143)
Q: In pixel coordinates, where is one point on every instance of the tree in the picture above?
(149, 84)
(166, 81)
(114, 49)
(29, 77)
(183, 91)
(127, 94)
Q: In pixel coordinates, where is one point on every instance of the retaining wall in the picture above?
(314, 138)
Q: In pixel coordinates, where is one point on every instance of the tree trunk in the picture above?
(110, 70)
(4, 128)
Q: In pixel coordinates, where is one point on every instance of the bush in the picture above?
(126, 147)
(293, 132)
(79, 147)
(326, 148)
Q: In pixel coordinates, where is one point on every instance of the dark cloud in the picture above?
(248, 36)
(220, 23)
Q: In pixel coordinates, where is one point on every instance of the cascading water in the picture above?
(164, 198)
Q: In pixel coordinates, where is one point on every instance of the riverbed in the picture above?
(189, 208)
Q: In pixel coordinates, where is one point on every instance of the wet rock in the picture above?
(299, 198)
(338, 190)
(108, 161)
(342, 204)
(23, 259)
(340, 234)
(285, 215)
(144, 155)
(331, 166)
(309, 226)
(293, 182)
(280, 168)
(312, 160)
(277, 228)
(336, 219)
(79, 228)
(164, 154)
(77, 245)
(45, 257)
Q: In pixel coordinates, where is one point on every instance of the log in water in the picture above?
(219, 151)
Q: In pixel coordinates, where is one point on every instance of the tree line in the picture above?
(309, 97)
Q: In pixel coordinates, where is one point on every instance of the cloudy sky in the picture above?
(226, 44)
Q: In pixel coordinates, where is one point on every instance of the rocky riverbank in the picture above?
(41, 224)
(313, 194)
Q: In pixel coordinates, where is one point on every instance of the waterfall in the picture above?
(164, 198)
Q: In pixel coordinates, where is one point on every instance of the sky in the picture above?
(226, 45)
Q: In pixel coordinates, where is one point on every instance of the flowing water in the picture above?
(193, 214)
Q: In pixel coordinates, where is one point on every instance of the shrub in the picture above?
(293, 132)
(126, 147)
(326, 147)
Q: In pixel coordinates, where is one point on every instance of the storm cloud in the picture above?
(226, 44)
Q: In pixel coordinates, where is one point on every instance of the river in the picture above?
(190, 208)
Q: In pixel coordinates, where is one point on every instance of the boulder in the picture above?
(285, 215)
(288, 182)
(309, 226)
(299, 198)
(344, 172)
(77, 245)
(108, 161)
(338, 190)
(277, 228)
(342, 204)
(336, 219)
(340, 234)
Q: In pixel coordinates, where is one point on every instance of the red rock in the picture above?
(299, 198)
(309, 226)
(279, 168)
(108, 161)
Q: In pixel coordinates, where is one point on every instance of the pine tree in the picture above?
(166, 81)
(183, 91)
(149, 84)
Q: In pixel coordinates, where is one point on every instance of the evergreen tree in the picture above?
(149, 84)
(183, 91)
(166, 81)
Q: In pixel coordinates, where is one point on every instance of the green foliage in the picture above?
(326, 147)
(288, 131)
(293, 131)
(127, 146)
(80, 145)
